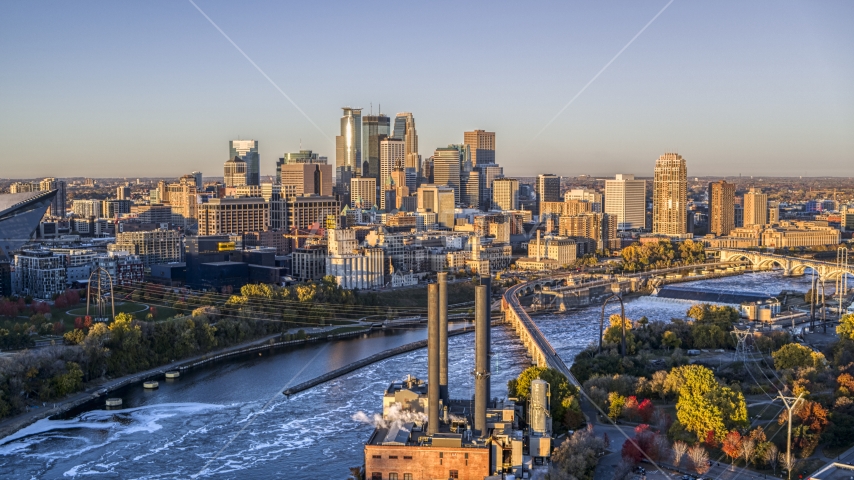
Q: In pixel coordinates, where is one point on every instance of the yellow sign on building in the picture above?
(226, 246)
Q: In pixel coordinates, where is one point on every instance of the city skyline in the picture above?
(770, 99)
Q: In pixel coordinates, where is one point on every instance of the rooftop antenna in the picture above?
(372, 108)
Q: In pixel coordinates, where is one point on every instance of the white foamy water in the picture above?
(174, 431)
(571, 332)
(309, 435)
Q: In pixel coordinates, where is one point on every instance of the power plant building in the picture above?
(425, 434)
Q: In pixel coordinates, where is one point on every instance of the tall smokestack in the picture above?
(487, 281)
(481, 355)
(432, 359)
(443, 337)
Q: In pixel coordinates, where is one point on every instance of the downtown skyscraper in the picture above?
(482, 146)
(348, 145)
(404, 128)
(670, 195)
(625, 201)
(375, 128)
(247, 150)
(721, 208)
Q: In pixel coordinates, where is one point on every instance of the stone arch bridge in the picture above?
(791, 266)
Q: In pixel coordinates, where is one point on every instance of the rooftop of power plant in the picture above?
(454, 431)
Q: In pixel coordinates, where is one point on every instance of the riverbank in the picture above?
(100, 389)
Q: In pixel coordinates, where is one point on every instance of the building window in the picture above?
(376, 476)
(453, 474)
(407, 476)
(392, 457)
(376, 456)
(407, 457)
(392, 476)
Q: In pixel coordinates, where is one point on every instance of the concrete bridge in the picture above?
(791, 266)
(540, 350)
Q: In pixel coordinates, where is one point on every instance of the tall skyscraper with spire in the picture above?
(404, 128)
(670, 195)
(247, 150)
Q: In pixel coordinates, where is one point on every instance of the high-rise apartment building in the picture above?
(721, 208)
(235, 172)
(404, 128)
(233, 215)
(363, 192)
(438, 199)
(183, 197)
(548, 189)
(39, 274)
(247, 150)
(598, 228)
(59, 204)
(298, 179)
(305, 213)
(446, 169)
(505, 194)
(123, 193)
(375, 128)
(670, 195)
(200, 185)
(481, 145)
(86, 208)
(153, 247)
(348, 145)
(755, 208)
(585, 195)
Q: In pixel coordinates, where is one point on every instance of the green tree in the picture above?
(616, 402)
(670, 340)
(704, 405)
(795, 355)
(846, 327)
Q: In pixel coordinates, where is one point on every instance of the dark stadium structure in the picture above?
(20, 214)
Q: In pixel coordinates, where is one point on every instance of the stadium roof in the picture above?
(20, 214)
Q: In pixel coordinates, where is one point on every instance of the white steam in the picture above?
(395, 416)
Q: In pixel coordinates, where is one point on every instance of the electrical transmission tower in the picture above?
(741, 347)
(790, 407)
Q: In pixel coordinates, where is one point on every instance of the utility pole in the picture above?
(790, 407)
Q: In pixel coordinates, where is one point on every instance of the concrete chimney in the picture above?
(481, 356)
(443, 337)
(432, 359)
(487, 281)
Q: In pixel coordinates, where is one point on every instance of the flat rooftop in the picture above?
(452, 434)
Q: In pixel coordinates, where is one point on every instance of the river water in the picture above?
(229, 420)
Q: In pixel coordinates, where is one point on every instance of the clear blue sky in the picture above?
(152, 89)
